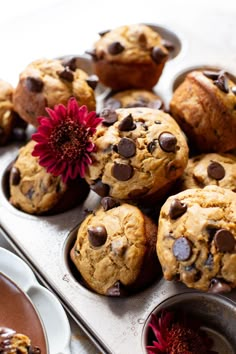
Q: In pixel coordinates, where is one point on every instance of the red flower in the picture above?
(177, 337)
(63, 139)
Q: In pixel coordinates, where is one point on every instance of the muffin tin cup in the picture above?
(115, 325)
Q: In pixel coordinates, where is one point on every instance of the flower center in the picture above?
(68, 140)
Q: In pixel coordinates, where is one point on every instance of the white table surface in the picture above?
(49, 28)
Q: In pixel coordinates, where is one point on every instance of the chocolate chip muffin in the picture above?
(7, 118)
(16, 343)
(140, 153)
(115, 249)
(210, 169)
(35, 191)
(46, 83)
(134, 98)
(196, 240)
(131, 56)
(204, 105)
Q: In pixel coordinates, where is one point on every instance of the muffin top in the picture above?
(131, 43)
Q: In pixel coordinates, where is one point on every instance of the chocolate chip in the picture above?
(222, 82)
(34, 84)
(109, 115)
(152, 146)
(182, 249)
(158, 55)
(116, 290)
(109, 203)
(167, 142)
(122, 172)
(233, 89)
(97, 235)
(112, 103)
(168, 44)
(126, 147)
(102, 33)
(218, 286)
(215, 170)
(15, 176)
(100, 188)
(115, 48)
(70, 62)
(92, 81)
(127, 124)
(213, 75)
(224, 240)
(177, 208)
(66, 74)
(156, 104)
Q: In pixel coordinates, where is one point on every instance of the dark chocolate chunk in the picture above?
(213, 75)
(157, 104)
(109, 115)
(219, 286)
(92, 81)
(97, 235)
(224, 240)
(126, 147)
(152, 146)
(167, 142)
(116, 290)
(177, 208)
(15, 176)
(233, 89)
(34, 84)
(127, 124)
(70, 62)
(100, 188)
(102, 33)
(109, 203)
(122, 172)
(168, 44)
(215, 170)
(182, 249)
(222, 82)
(115, 48)
(158, 55)
(66, 74)
(112, 103)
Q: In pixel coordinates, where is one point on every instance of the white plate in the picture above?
(49, 308)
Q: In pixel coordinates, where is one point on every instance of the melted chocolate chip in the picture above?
(218, 286)
(115, 48)
(92, 81)
(224, 240)
(116, 290)
(158, 55)
(127, 124)
(97, 235)
(213, 75)
(152, 146)
(100, 188)
(167, 142)
(233, 89)
(70, 62)
(177, 208)
(222, 82)
(34, 84)
(109, 115)
(126, 147)
(15, 176)
(122, 172)
(215, 170)
(66, 74)
(112, 103)
(182, 249)
(109, 203)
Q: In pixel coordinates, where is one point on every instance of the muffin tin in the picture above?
(115, 325)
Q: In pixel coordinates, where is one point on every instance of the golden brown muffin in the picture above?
(131, 56)
(35, 191)
(196, 240)
(16, 343)
(204, 105)
(140, 153)
(115, 249)
(134, 98)
(46, 83)
(7, 117)
(210, 169)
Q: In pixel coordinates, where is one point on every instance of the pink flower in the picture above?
(63, 139)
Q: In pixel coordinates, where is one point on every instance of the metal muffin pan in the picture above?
(115, 325)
